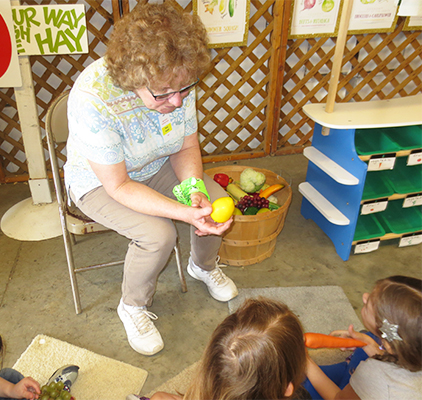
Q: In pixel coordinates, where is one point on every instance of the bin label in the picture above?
(412, 201)
(367, 247)
(414, 158)
(381, 164)
(410, 240)
(374, 207)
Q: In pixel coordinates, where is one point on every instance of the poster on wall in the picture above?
(226, 21)
(410, 8)
(10, 75)
(314, 18)
(413, 24)
(45, 30)
(413, 11)
(373, 16)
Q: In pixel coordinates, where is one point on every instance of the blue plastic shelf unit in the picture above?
(336, 181)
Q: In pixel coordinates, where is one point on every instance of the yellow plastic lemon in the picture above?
(222, 209)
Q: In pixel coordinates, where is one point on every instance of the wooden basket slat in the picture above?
(252, 238)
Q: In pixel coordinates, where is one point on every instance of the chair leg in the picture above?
(70, 263)
(180, 267)
(72, 275)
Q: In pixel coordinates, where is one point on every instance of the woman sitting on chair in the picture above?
(133, 148)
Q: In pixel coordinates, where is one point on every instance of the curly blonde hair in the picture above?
(156, 43)
(254, 353)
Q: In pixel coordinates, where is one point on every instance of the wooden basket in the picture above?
(252, 238)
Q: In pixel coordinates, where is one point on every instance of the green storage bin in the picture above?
(401, 220)
(377, 185)
(374, 141)
(368, 227)
(406, 137)
(404, 179)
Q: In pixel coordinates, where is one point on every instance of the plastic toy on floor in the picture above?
(58, 386)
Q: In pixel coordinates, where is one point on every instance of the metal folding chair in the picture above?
(73, 221)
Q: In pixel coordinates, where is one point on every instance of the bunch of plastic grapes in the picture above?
(253, 200)
(56, 391)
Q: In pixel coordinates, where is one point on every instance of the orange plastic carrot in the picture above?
(271, 190)
(319, 340)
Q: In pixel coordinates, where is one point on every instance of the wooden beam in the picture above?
(338, 54)
(281, 14)
(31, 135)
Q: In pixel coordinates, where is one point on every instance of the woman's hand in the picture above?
(199, 200)
(202, 221)
(27, 388)
(372, 346)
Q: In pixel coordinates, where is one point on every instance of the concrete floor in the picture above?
(35, 296)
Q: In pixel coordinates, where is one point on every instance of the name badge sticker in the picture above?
(165, 124)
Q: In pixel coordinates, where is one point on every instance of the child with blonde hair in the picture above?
(257, 352)
(393, 313)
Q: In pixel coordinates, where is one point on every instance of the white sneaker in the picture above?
(141, 332)
(220, 286)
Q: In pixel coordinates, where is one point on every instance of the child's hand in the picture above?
(372, 346)
(346, 334)
(27, 388)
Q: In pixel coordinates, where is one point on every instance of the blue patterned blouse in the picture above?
(108, 125)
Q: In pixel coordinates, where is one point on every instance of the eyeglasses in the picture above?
(166, 96)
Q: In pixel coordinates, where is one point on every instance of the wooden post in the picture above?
(31, 133)
(338, 55)
(281, 14)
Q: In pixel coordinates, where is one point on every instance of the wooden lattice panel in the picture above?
(52, 75)
(375, 66)
(233, 99)
(233, 95)
(250, 101)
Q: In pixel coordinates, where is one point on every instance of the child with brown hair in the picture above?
(257, 352)
(13, 385)
(393, 313)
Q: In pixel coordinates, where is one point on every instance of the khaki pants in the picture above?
(152, 238)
